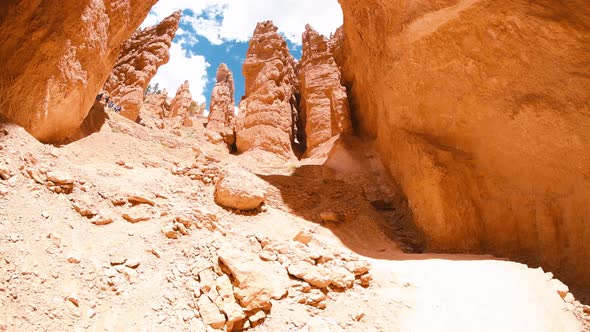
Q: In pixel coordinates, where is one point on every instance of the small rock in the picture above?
(169, 231)
(315, 275)
(102, 218)
(304, 237)
(560, 287)
(132, 263)
(140, 199)
(73, 258)
(45, 214)
(74, 300)
(259, 315)
(569, 298)
(210, 313)
(330, 217)
(60, 178)
(136, 215)
(156, 252)
(117, 260)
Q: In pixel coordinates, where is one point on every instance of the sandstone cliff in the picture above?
(268, 112)
(221, 110)
(139, 60)
(481, 110)
(324, 103)
(56, 56)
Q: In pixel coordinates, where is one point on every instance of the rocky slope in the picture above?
(480, 110)
(121, 231)
(268, 112)
(220, 126)
(324, 103)
(141, 56)
(60, 54)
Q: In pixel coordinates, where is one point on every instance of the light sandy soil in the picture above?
(60, 272)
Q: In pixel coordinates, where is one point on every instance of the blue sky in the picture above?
(217, 31)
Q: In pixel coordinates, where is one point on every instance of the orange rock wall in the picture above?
(481, 110)
(56, 55)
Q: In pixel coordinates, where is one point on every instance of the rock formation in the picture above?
(156, 104)
(268, 112)
(221, 110)
(481, 112)
(324, 104)
(56, 57)
(181, 104)
(139, 60)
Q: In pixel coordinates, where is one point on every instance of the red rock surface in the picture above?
(481, 112)
(139, 60)
(268, 111)
(181, 104)
(55, 57)
(324, 103)
(220, 124)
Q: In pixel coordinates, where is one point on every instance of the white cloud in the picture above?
(180, 68)
(240, 17)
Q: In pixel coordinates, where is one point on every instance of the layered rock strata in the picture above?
(268, 112)
(56, 57)
(324, 103)
(140, 58)
(481, 112)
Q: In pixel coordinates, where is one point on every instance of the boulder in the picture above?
(239, 189)
(255, 282)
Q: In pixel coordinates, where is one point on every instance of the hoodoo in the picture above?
(268, 112)
(324, 103)
(140, 58)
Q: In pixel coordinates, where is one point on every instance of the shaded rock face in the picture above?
(181, 104)
(221, 110)
(481, 112)
(55, 57)
(139, 60)
(324, 104)
(268, 112)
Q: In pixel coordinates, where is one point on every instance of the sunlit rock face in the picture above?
(268, 112)
(55, 58)
(138, 62)
(481, 111)
(324, 103)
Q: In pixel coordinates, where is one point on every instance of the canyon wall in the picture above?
(324, 109)
(268, 112)
(56, 56)
(481, 111)
(139, 60)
